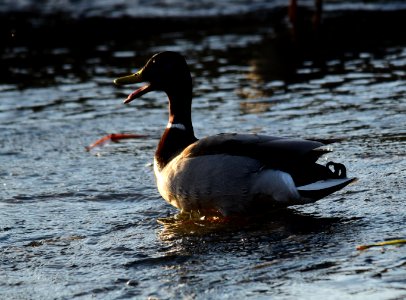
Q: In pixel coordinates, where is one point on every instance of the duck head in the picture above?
(165, 71)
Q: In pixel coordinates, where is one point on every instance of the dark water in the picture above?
(154, 8)
(77, 224)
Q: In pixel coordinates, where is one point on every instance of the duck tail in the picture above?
(335, 180)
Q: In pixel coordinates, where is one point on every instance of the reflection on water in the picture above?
(84, 224)
(283, 221)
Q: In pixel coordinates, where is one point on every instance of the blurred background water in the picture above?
(77, 224)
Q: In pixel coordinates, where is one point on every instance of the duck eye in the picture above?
(153, 61)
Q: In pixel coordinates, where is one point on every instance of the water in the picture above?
(178, 8)
(78, 224)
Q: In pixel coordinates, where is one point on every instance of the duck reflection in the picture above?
(283, 222)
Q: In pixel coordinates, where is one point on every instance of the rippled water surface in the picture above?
(78, 224)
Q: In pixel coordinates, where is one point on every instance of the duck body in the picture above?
(228, 173)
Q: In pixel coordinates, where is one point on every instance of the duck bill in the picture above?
(134, 78)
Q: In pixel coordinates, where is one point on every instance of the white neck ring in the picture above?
(179, 126)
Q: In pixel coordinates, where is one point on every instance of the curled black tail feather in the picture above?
(311, 172)
(339, 170)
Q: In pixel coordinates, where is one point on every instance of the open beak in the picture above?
(134, 78)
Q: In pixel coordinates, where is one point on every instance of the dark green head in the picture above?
(165, 71)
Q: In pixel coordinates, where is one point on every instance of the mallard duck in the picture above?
(228, 173)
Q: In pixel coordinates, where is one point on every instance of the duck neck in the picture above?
(179, 132)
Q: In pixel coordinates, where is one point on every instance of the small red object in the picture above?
(114, 137)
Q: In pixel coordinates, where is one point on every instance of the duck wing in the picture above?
(295, 156)
(272, 152)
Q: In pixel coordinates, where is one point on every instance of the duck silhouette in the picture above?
(228, 173)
